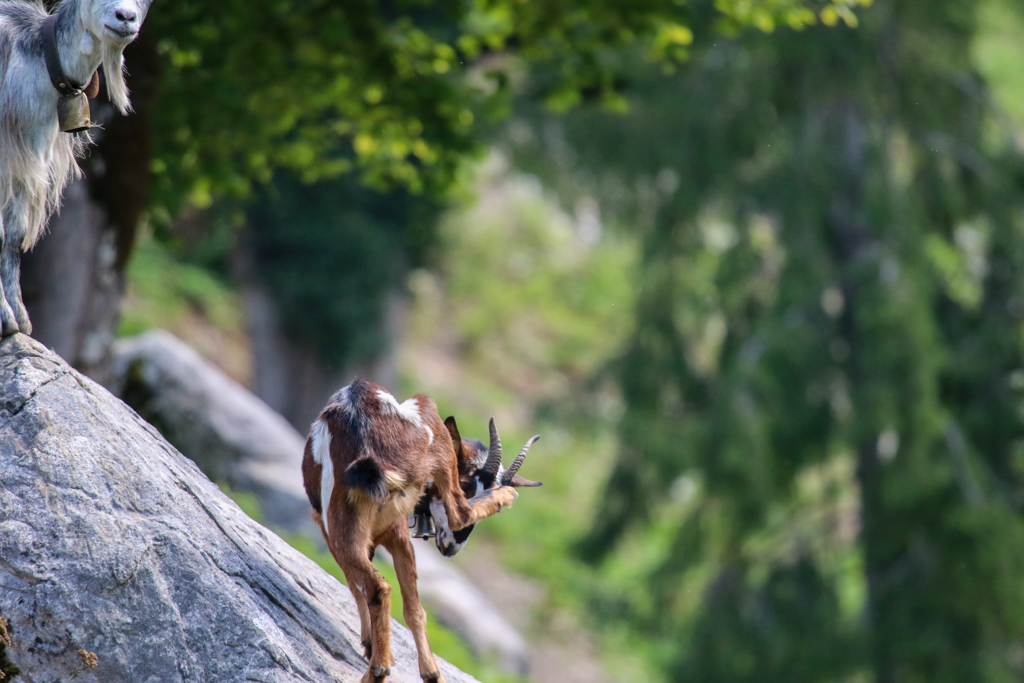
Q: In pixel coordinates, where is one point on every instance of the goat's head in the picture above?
(480, 468)
(114, 24)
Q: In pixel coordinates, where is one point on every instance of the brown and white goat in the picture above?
(369, 463)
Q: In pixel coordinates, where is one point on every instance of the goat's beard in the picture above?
(113, 70)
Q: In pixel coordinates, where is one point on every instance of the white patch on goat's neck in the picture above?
(409, 410)
(321, 436)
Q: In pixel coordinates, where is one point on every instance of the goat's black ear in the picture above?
(453, 429)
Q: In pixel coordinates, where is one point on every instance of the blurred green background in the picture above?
(754, 270)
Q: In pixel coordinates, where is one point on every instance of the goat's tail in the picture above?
(366, 478)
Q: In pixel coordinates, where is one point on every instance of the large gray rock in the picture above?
(233, 435)
(113, 542)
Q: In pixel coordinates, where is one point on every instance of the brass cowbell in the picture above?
(424, 527)
(73, 113)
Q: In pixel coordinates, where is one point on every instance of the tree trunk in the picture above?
(288, 374)
(73, 281)
(851, 239)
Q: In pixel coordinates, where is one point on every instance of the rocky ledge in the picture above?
(113, 543)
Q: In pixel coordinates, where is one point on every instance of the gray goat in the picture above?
(46, 59)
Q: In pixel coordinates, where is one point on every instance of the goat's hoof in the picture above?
(507, 496)
(21, 316)
(380, 673)
(432, 677)
(24, 324)
(8, 323)
(367, 649)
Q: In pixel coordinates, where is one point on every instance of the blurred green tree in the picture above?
(228, 92)
(833, 282)
(393, 88)
(330, 253)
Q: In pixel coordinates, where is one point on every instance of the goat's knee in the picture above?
(378, 597)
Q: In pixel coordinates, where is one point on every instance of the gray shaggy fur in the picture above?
(36, 160)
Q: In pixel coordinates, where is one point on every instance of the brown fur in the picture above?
(412, 448)
(92, 90)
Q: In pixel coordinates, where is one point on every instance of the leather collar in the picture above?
(64, 85)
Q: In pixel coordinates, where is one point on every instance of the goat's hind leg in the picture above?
(399, 544)
(377, 595)
(352, 555)
(10, 272)
(365, 631)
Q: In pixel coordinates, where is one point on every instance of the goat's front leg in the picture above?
(10, 271)
(399, 544)
(461, 512)
(377, 594)
(490, 502)
(10, 258)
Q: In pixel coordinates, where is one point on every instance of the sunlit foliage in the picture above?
(394, 89)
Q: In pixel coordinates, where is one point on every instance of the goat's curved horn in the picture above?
(494, 454)
(508, 475)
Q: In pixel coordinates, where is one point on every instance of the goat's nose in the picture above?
(126, 15)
